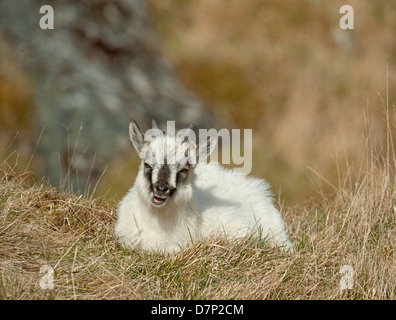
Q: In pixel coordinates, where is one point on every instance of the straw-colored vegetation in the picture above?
(320, 103)
(354, 226)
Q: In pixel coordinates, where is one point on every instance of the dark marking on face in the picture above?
(182, 174)
(163, 186)
(148, 171)
(164, 173)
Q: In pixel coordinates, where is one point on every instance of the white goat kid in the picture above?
(175, 202)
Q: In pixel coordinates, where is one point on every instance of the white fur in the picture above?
(213, 200)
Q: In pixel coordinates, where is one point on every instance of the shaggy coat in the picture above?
(173, 204)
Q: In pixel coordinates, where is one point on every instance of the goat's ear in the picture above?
(205, 148)
(154, 124)
(136, 135)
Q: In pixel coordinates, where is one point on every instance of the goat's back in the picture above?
(236, 203)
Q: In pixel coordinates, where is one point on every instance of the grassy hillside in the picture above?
(354, 226)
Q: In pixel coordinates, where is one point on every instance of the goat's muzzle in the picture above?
(160, 194)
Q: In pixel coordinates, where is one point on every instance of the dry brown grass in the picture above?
(355, 226)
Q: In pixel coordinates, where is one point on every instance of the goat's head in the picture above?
(167, 162)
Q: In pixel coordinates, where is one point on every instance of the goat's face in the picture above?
(166, 175)
(166, 165)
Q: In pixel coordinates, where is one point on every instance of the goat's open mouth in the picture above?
(157, 201)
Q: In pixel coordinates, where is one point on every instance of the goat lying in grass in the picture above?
(175, 202)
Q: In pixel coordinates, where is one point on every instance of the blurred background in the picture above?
(310, 91)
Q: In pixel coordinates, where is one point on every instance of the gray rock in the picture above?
(99, 67)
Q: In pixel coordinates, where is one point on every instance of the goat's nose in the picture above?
(162, 187)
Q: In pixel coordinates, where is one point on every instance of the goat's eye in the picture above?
(183, 171)
(147, 166)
